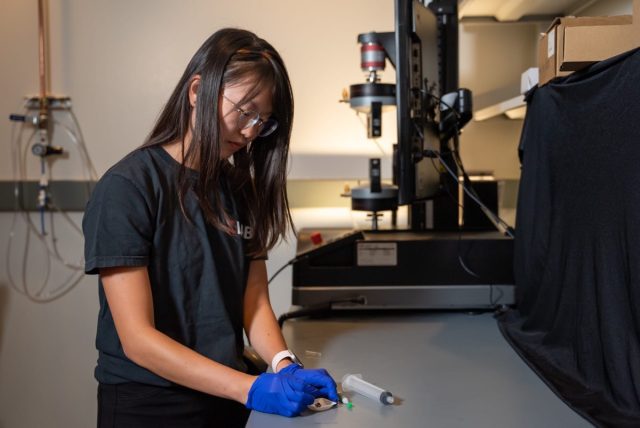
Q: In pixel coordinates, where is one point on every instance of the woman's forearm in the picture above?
(128, 293)
(260, 322)
(173, 361)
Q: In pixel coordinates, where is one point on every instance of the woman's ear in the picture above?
(193, 89)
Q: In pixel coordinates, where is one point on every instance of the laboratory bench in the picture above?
(445, 369)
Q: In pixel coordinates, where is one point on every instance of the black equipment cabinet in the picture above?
(405, 269)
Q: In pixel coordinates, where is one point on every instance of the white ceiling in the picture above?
(513, 10)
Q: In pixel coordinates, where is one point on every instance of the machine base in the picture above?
(404, 270)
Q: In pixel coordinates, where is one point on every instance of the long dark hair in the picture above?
(259, 171)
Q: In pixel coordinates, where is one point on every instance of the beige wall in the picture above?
(119, 60)
(492, 57)
(609, 8)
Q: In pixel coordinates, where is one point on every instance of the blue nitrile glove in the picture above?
(320, 381)
(280, 393)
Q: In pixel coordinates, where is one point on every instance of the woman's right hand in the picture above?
(279, 393)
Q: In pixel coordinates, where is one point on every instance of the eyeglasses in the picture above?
(249, 119)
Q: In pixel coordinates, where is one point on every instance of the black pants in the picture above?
(138, 405)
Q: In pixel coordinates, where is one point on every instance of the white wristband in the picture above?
(281, 356)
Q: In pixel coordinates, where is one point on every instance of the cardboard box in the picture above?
(573, 43)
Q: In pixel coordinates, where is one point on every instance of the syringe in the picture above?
(354, 382)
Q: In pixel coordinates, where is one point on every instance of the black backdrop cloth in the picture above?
(577, 245)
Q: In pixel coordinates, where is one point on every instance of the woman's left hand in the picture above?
(320, 381)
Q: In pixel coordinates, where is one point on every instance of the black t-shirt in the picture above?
(197, 272)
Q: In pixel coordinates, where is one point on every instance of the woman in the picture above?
(178, 231)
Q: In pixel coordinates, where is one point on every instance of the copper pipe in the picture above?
(42, 57)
